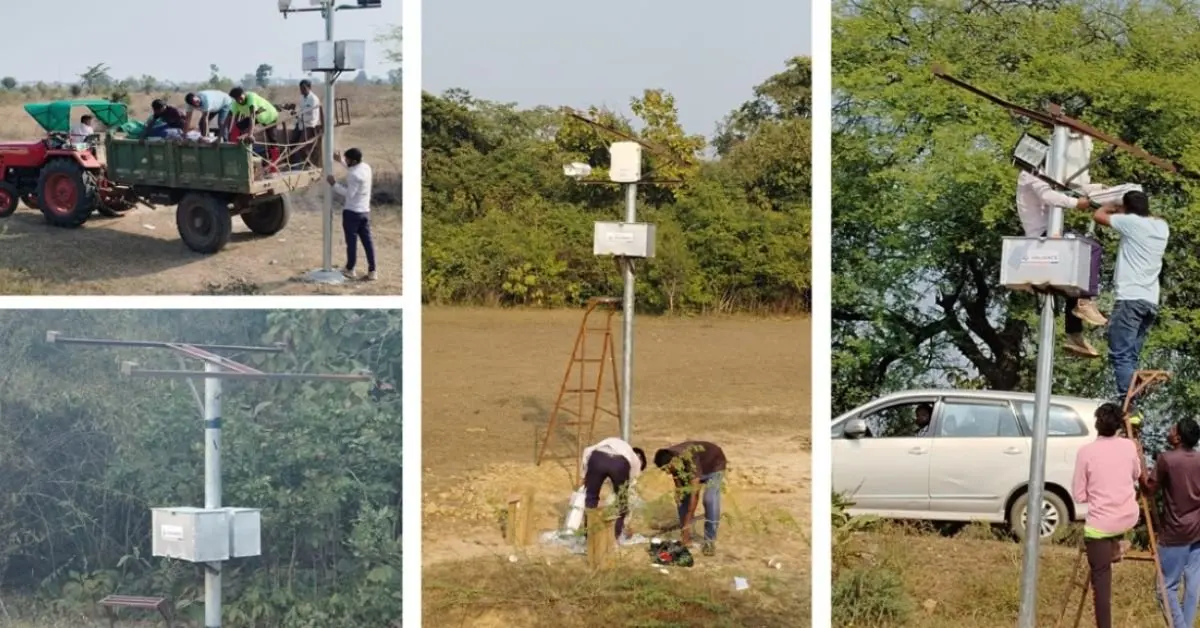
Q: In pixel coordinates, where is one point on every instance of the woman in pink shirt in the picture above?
(1106, 476)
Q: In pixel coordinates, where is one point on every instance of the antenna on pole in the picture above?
(212, 534)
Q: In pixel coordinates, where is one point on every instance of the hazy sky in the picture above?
(163, 38)
(708, 53)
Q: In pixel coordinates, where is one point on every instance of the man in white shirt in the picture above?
(356, 210)
(82, 132)
(612, 460)
(310, 121)
(213, 105)
(1035, 198)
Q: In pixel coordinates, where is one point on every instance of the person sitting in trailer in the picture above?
(1177, 474)
(1107, 471)
(213, 106)
(1139, 266)
(165, 121)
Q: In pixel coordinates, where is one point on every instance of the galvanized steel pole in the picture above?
(212, 487)
(327, 148)
(1055, 167)
(627, 326)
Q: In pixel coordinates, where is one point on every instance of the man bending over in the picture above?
(612, 460)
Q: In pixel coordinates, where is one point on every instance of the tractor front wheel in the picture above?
(66, 193)
(204, 222)
(8, 199)
(269, 218)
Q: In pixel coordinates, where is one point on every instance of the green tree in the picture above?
(502, 225)
(95, 77)
(262, 75)
(9, 82)
(922, 187)
(82, 463)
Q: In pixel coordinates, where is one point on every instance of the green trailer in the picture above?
(209, 183)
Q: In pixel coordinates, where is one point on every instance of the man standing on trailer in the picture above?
(214, 106)
(310, 122)
(1035, 198)
(1139, 264)
(356, 210)
(1177, 474)
(1107, 471)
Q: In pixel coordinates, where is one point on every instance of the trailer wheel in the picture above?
(8, 199)
(31, 201)
(66, 193)
(269, 218)
(204, 222)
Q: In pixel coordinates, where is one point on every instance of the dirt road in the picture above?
(141, 253)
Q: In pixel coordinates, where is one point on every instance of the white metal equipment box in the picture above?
(1062, 265)
(625, 162)
(245, 532)
(623, 239)
(196, 535)
(350, 54)
(318, 56)
(201, 535)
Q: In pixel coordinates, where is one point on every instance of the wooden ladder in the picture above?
(580, 395)
(1142, 381)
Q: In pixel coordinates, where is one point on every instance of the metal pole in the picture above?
(212, 487)
(627, 327)
(327, 148)
(1041, 409)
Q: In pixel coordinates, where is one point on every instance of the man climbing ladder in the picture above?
(1139, 264)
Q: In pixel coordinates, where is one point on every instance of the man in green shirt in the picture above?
(253, 112)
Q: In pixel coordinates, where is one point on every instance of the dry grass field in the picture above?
(971, 577)
(490, 381)
(140, 252)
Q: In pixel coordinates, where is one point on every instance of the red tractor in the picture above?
(66, 181)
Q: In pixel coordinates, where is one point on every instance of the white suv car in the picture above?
(970, 464)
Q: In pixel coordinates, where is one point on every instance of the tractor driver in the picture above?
(164, 122)
(213, 105)
(82, 133)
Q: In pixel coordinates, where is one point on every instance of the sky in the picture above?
(136, 37)
(708, 53)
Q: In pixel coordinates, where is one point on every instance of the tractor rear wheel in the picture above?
(8, 199)
(204, 222)
(269, 218)
(66, 193)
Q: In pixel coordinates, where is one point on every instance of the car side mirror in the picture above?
(855, 428)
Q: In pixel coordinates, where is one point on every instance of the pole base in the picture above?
(329, 277)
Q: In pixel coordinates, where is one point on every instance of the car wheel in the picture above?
(1055, 515)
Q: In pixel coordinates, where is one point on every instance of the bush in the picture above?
(870, 595)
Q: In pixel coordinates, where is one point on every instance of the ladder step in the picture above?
(603, 329)
(580, 390)
(1140, 556)
(588, 360)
